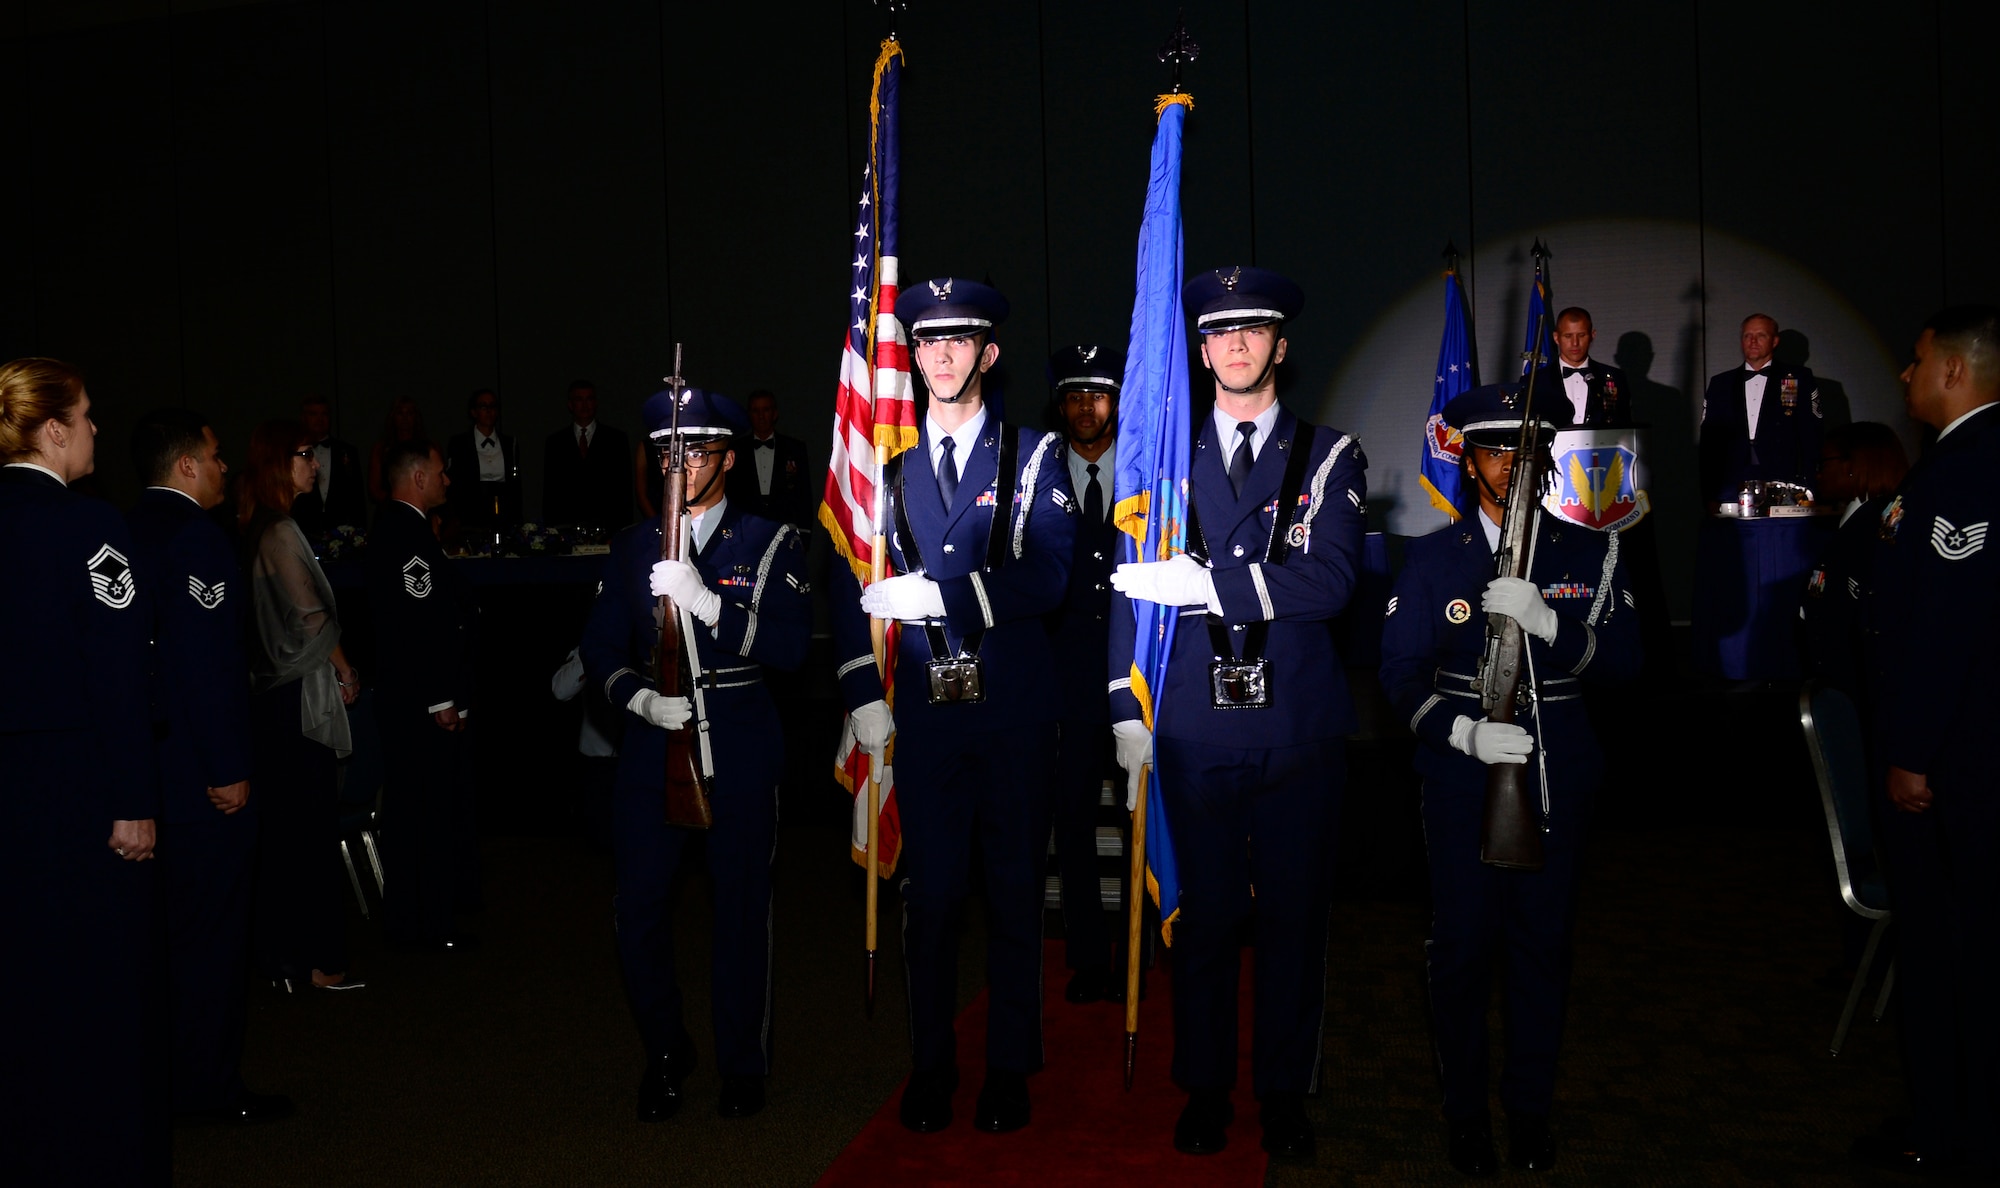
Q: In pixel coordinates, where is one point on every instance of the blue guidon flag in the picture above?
(1438, 469)
(1151, 484)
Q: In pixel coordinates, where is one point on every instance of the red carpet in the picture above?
(1087, 1129)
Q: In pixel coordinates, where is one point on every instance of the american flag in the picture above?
(873, 407)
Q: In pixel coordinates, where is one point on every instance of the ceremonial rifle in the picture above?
(1512, 836)
(687, 775)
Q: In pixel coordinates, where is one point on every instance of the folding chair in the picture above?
(1833, 739)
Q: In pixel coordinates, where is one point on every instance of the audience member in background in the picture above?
(1760, 421)
(773, 480)
(83, 1097)
(201, 725)
(301, 684)
(596, 747)
(423, 611)
(585, 481)
(403, 423)
(337, 496)
(1860, 467)
(485, 469)
(1932, 653)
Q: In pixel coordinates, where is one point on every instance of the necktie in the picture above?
(1239, 466)
(583, 444)
(1093, 497)
(948, 472)
(1570, 371)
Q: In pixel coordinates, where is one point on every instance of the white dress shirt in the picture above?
(1225, 433)
(767, 461)
(967, 436)
(324, 453)
(1574, 386)
(1753, 396)
(492, 458)
(1079, 475)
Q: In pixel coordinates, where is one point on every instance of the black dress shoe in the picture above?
(926, 1106)
(660, 1085)
(1203, 1128)
(251, 1109)
(1529, 1146)
(1288, 1133)
(741, 1097)
(1003, 1102)
(1469, 1145)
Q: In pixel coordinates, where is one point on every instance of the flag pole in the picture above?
(878, 635)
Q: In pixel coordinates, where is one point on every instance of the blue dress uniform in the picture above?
(1830, 632)
(1931, 653)
(83, 1099)
(1081, 633)
(967, 770)
(201, 719)
(1432, 641)
(424, 611)
(1252, 795)
(758, 568)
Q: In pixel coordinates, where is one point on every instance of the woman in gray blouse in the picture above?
(301, 685)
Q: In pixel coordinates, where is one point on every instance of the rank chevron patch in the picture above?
(111, 578)
(209, 596)
(417, 577)
(1956, 544)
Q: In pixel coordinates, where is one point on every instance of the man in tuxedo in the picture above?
(340, 497)
(1759, 421)
(485, 469)
(586, 468)
(1596, 393)
(775, 485)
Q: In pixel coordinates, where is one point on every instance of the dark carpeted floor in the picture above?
(1696, 1052)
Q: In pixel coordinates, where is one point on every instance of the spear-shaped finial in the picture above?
(1450, 256)
(675, 381)
(893, 7)
(1180, 49)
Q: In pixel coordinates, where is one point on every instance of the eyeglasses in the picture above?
(697, 459)
(304, 453)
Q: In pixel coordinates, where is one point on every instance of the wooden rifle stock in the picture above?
(686, 789)
(1512, 835)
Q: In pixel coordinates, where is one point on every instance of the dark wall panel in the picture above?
(107, 290)
(17, 203)
(1970, 153)
(412, 202)
(579, 200)
(256, 263)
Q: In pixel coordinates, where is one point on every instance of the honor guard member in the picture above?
(746, 591)
(1577, 612)
(1251, 725)
(1931, 654)
(201, 722)
(424, 610)
(84, 1096)
(1086, 379)
(982, 525)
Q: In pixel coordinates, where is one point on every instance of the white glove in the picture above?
(1491, 742)
(873, 724)
(1177, 581)
(907, 596)
(1135, 751)
(682, 582)
(668, 713)
(1520, 601)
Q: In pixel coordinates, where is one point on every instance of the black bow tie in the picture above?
(1750, 373)
(1570, 371)
(487, 444)
(769, 443)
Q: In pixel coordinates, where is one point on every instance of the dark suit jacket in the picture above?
(472, 500)
(1787, 445)
(791, 499)
(1607, 401)
(201, 680)
(597, 490)
(346, 499)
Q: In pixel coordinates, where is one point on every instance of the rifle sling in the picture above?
(1276, 549)
(996, 534)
